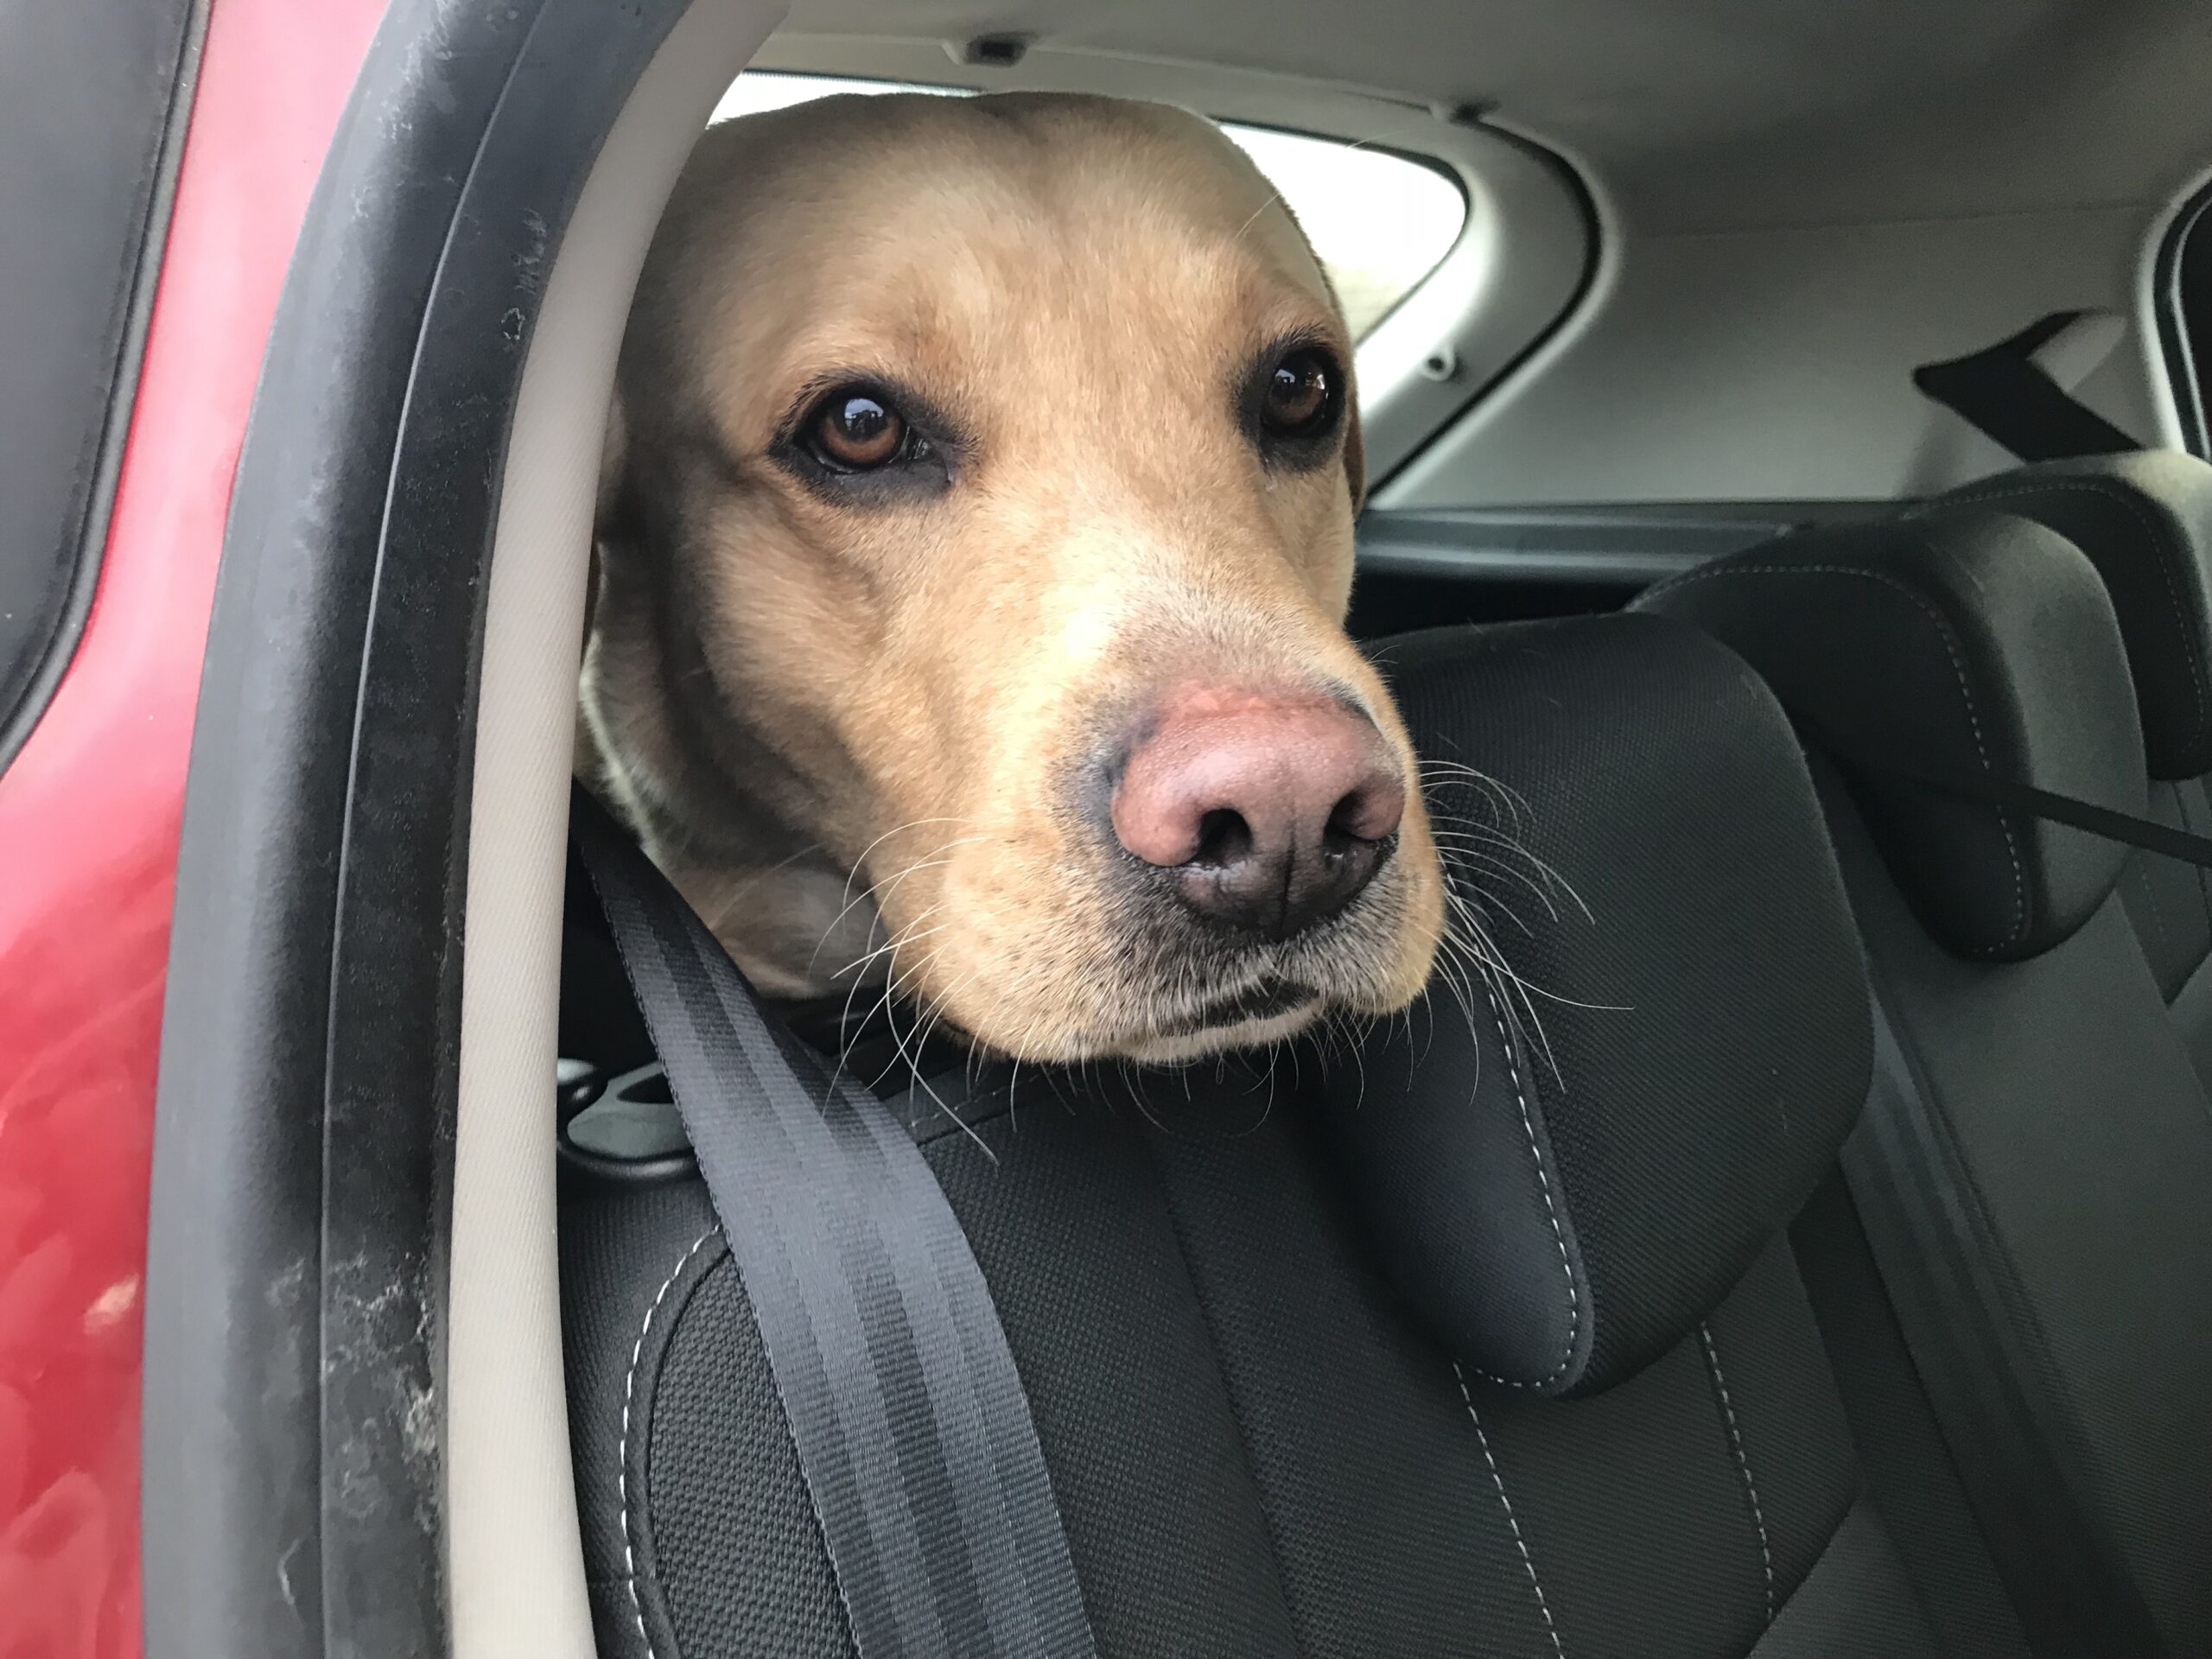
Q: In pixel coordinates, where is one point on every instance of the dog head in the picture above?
(975, 542)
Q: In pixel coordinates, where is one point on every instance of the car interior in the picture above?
(1789, 492)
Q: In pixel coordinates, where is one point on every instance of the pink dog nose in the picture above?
(1269, 811)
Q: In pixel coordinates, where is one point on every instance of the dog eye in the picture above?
(856, 431)
(1300, 400)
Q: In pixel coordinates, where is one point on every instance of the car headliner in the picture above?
(1718, 114)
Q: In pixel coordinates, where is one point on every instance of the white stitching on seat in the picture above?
(1958, 668)
(1551, 1210)
(1512, 1520)
(1743, 1463)
(629, 1389)
(2161, 542)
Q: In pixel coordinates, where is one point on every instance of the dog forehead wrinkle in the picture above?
(1044, 363)
(888, 175)
(939, 268)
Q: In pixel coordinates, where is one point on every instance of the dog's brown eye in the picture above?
(858, 431)
(1301, 395)
(867, 443)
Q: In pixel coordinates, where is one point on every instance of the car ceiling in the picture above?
(1716, 114)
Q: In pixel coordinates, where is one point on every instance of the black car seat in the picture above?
(1485, 1335)
(2144, 520)
(2034, 1164)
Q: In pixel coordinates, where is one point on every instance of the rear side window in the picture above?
(1379, 222)
(91, 106)
(2187, 284)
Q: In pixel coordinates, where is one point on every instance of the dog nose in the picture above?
(1268, 812)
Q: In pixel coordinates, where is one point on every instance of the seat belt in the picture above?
(2007, 395)
(914, 1438)
(1989, 789)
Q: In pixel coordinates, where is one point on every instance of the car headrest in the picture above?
(2144, 520)
(1650, 1035)
(1957, 642)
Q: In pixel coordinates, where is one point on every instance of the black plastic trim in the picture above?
(1601, 544)
(1425, 568)
(27, 681)
(2183, 372)
(294, 1414)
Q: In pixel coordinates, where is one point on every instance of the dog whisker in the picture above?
(1455, 855)
(890, 949)
(1447, 773)
(884, 1003)
(877, 891)
(914, 1070)
(1506, 987)
(1468, 875)
(860, 863)
(1457, 827)
(881, 951)
(1512, 856)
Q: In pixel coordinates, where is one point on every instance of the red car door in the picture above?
(197, 131)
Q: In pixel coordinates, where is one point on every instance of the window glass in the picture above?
(87, 124)
(1379, 222)
(2188, 322)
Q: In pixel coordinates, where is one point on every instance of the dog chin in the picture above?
(1169, 1050)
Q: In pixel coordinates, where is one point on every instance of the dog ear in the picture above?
(591, 591)
(613, 457)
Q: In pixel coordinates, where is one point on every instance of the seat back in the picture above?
(1479, 1333)
(2035, 1166)
(2145, 521)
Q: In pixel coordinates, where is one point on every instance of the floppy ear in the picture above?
(614, 456)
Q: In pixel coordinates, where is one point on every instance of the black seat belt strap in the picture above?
(1991, 789)
(2004, 394)
(914, 1435)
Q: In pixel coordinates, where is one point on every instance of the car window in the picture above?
(2188, 320)
(1379, 221)
(88, 126)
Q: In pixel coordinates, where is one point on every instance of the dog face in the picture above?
(976, 533)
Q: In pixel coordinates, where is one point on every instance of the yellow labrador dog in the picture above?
(975, 539)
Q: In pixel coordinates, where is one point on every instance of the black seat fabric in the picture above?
(1299, 1395)
(1965, 642)
(2145, 522)
(2061, 1142)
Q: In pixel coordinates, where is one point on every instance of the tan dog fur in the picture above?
(799, 702)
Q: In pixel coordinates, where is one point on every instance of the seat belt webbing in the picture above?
(1990, 790)
(2004, 394)
(914, 1437)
